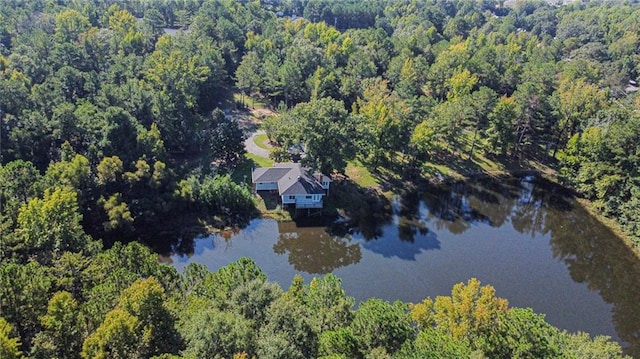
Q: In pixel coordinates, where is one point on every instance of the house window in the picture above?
(307, 197)
(292, 197)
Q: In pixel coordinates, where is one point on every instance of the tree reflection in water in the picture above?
(417, 223)
(314, 250)
(593, 254)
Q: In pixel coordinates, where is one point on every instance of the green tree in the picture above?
(468, 314)
(377, 323)
(49, 226)
(249, 74)
(287, 332)
(324, 128)
(499, 134)
(25, 292)
(210, 333)
(435, 343)
(155, 331)
(220, 285)
(115, 338)
(341, 343)
(576, 103)
(109, 170)
(113, 270)
(70, 24)
(118, 213)
(9, 345)
(327, 304)
(581, 346)
(62, 327)
(521, 333)
(224, 139)
(253, 298)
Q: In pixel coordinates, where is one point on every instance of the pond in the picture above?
(526, 237)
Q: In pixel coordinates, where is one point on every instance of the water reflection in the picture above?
(592, 253)
(595, 257)
(528, 238)
(314, 250)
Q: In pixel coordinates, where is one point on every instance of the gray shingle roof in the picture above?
(271, 174)
(291, 177)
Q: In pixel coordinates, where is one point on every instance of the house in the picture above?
(294, 183)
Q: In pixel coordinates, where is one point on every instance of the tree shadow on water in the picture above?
(596, 256)
(404, 235)
(314, 250)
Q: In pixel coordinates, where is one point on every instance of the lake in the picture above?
(526, 237)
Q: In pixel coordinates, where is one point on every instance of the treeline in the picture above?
(423, 83)
(110, 129)
(122, 303)
(105, 114)
(457, 82)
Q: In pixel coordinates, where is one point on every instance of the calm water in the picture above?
(526, 238)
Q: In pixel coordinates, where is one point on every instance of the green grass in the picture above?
(242, 173)
(259, 161)
(459, 165)
(260, 141)
(360, 175)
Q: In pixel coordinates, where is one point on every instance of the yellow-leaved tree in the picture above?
(467, 314)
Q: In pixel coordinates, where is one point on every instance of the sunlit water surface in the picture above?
(528, 239)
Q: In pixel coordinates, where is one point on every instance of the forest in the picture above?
(114, 133)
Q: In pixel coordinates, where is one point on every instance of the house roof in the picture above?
(292, 179)
(270, 174)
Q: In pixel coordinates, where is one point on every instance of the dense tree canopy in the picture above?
(112, 127)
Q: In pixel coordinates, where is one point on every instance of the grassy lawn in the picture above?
(259, 161)
(459, 164)
(360, 175)
(242, 173)
(260, 141)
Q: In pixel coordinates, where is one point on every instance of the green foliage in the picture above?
(115, 338)
(9, 345)
(377, 323)
(220, 285)
(210, 333)
(329, 307)
(224, 139)
(117, 212)
(115, 269)
(155, 330)
(51, 225)
(435, 343)
(600, 164)
(109, 170)
(122, 122)
(522, 334)
(24, 296)
(225, 196)
(581, 346)
(468, 314)
(341, 343)
(287, 332)
(322, 128)
(252, 299)
(62, 328)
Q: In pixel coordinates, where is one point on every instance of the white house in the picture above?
(295, 184)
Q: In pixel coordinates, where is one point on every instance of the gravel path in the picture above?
(251, 147)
